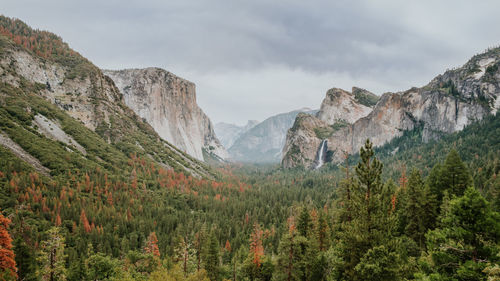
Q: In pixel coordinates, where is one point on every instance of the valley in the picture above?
(120, 175)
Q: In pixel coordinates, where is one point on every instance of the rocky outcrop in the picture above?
(263, 143)
(168, 104)
(339, 109)
(229, 133)
(90, 97)
(302, 141)
(340, 105)
(447, 104)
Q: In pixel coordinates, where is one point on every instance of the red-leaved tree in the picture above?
(256, 248)
(7, 257)
(152, 245)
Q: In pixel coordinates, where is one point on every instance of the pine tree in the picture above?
(304, 223)
(152, 245)
(199, 243)
(257, 266)
(455, 175)
(378, 263)
(372, 221)
(8, 267)
(84, 221)
(52, 257)
(290, 255)
(25, 260)
(419, 209)
(322, 232)
(467, 238)
(211, 259)
(184, 254)
(433, 181)
(346, 194)
(256, 248)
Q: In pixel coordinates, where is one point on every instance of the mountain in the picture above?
(168, 104)
(305, 140)
(447, 104)
(263, 142)
(57, 106)
(228, 133)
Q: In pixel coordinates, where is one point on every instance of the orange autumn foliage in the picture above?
(7, 257)
(58, 220)
(152, 245)
(85, 222)
(256, 248)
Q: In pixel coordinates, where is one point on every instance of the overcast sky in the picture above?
(253, 59)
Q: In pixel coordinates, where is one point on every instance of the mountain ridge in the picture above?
(446, 104)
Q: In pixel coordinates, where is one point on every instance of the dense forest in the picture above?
(255, 224)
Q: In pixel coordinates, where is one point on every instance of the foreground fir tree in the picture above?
(455, 175)
(467, 241)
(452, 176)
(419, 209)
(369, 232)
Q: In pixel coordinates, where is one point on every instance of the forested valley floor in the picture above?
(430, 212)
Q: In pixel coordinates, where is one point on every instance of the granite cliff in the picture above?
(168, 103)
(339, 109)
(447, 104)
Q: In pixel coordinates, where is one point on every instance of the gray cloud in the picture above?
(289, 52)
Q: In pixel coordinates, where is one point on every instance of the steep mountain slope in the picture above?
(263, 142)
(304, 140)
(447, 104)
(229, 133)
(37, 68)
(168, 104)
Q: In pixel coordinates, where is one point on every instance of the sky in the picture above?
(256, 58)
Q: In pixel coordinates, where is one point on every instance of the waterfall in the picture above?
(320, 156)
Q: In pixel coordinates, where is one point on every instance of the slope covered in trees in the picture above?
(173, 227)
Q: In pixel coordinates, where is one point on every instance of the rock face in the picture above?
(168, 104)
(79, 96)
(229, 133)
(342, 105)
(447, 104)
(339, 109)
(263, 143)
(75, 85)
(302, 142)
